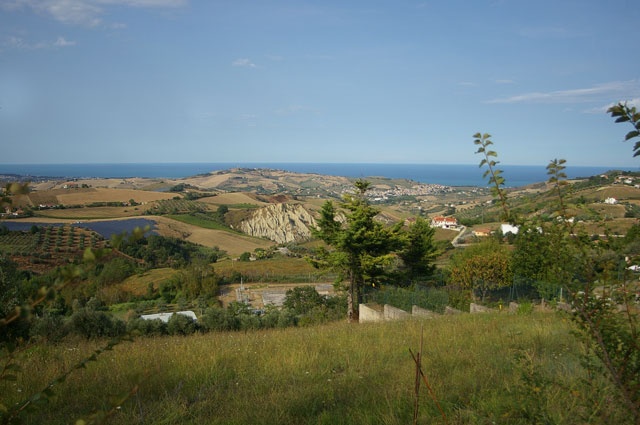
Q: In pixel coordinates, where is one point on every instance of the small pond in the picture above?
(106, 228)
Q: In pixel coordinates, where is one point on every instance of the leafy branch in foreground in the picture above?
(483, 141)
(622, 112)
(558, 179)
(10, 190)
(604, 307)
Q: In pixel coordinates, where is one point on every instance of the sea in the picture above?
(443, 174)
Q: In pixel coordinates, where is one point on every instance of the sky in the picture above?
(111, 81)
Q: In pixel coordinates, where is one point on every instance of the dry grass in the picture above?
(88, 196)
(234, 244)
(137, 285)
(609, 211)
(619, 192)
(277, 266)
(231, 199)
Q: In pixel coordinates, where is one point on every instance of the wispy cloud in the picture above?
(63, 42)
(505, 81)
(22, 44)
(294, 109)
(598, 92)
(243, 62)
(83, 12)
(603, 109)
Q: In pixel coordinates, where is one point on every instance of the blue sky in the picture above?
(316, 81)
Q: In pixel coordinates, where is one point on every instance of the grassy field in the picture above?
(270, 270)
(200, 221)
(233, 244)
(139, 283)
(483, 369)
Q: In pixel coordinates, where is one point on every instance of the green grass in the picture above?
(278, 268)
(201, 222)
(333, 374)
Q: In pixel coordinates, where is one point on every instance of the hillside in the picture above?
(266, 207)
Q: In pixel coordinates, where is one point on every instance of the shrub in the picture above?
(140, 326)
(303, 299)
(49, 327)
(219, 319)
(95, 324)
(179, 324)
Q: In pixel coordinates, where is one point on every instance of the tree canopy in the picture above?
(364, 251)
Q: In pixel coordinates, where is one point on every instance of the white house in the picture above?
(166, 316)
(508, 228)
(611, 201)
(444, 222)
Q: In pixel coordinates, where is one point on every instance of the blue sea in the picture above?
(448, 175)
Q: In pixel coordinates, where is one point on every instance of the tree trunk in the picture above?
(353, 300)
(350, 311)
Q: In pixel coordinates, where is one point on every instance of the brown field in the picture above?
(619, 192)
(114, 183)
(232, 199)
(210, 181)
(233, 244)
(83, 196)
(87, 196)
(609, 211)
(618, 226)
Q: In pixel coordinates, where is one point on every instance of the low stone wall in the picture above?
(477, 308)
(394, 313)
(378, 313)
(370, 313)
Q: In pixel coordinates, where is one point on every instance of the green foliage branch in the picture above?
(496, 180)
(622, 112)
(577, 264)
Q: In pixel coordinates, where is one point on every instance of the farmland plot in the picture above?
(80, 197)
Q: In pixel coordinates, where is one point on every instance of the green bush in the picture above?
(179, 324)
(405, 298)
(48, 327)
(142, 327)
(95, 324)
(219, 319)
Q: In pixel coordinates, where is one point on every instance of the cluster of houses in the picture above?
(416, 190)
(15, 213)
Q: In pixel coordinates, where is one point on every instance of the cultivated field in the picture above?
(88, 196)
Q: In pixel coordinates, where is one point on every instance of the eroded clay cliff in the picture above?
(281, 223)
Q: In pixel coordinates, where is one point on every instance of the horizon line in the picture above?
(240, 163)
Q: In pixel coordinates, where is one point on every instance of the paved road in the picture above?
(454, 242)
